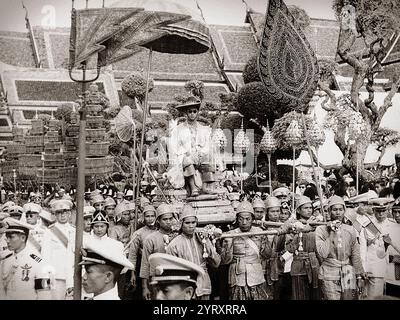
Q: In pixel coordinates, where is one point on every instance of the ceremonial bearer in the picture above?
(341, 270)
(189, 246)
(244, 254)
(156, 242)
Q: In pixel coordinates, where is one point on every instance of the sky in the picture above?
(56, 13)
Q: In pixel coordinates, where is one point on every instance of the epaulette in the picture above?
(35, 257)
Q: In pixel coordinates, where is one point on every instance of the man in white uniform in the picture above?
(24, 275)
(58, 247)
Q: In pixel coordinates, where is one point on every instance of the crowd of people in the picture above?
(343, 246)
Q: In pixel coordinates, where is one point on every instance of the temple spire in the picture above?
(36, 55)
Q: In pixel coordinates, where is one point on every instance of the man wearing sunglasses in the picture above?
(190, 150)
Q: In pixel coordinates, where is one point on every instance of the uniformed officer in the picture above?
(103, 265)
(377, 245)
(24, 274)
(4, 251)
(173, 278)
(58, 246)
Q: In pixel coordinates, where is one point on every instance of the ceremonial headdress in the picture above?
(100, 216)
(187, 211)
(279, 192)
(272, 202)
(258, 203)
(163, 209)
(245, 206)
(303, 200)
(109, 202)
(380, 204)
(336, 200)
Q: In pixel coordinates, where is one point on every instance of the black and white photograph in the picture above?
(215, 151)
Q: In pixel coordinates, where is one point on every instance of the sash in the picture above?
(253, 245)
(35, 243)
(59, 235)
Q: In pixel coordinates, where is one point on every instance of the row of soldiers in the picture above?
(317, 252)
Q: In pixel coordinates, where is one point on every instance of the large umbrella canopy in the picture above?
(116, 33)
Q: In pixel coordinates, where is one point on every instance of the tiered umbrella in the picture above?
(241, 145)
(268, 145)
(294, 137)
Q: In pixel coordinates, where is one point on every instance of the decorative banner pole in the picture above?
(81, 177)
(42, 158)
(294, 137)
(242, 146)
(145, 111)
(268, 146)
(15, 183)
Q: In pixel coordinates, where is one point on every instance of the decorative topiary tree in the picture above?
(375, 22)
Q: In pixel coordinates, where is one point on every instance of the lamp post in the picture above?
(294, 138)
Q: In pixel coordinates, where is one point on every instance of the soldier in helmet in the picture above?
(189, 246)
(156, 242)
(136, 247)
(341, 271)
(244, 254)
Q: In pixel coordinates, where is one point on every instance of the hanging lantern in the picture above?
(219, 138)
(317, 135)
(268, 143)
(242, 142)
(294, 134)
